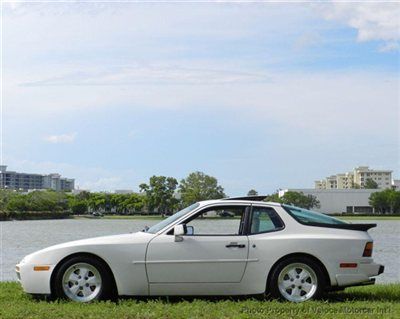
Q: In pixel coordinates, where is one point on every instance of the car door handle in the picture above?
(235, 245)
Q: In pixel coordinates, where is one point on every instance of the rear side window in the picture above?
(264, 219)
(305, 216)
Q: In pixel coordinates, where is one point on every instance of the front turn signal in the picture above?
(41, 268)
(368, 249)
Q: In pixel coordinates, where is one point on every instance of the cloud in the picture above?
(103, 183)
(160, 74)
(314, 100)
(307, 40)
(390, 47)
(61, 139)
(373, 21)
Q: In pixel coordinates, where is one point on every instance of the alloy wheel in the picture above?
(82, 282)
(297, 282)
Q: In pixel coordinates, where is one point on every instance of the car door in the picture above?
(215, 253)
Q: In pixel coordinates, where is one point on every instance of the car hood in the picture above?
(87, 244)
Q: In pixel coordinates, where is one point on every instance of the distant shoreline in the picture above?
(60, 215)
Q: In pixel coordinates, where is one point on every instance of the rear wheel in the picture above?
(83, 279)
(297, 279)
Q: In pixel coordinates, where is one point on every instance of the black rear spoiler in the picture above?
(360, 227)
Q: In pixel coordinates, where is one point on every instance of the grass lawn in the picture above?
(380, 301)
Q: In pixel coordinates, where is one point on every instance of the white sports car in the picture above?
(239, 246)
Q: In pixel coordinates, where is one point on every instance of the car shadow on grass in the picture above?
(384, 295)
(344, 296)
(381, 293)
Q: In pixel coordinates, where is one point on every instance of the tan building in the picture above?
(345, 181)
(331, 182)
(382, 177)
(356, 179)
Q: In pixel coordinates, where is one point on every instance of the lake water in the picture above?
(19, 238)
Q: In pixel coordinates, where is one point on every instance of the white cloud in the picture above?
(103, 183)
(372, 20)
(390, 47)
(60, 139)
(318, 101)
(307, 40)
(158, 73)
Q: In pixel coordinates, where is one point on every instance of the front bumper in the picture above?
(360, 276)
(34, 282)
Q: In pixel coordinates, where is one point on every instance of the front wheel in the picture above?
(297, 279)
(82, 279)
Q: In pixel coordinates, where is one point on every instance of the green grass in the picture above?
(380, 301)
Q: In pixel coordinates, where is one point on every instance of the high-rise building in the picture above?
(26, 181)
(356, 179)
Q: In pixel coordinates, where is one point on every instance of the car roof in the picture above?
(237, 201)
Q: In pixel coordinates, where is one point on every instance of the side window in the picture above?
(218, 220)
(264, 219)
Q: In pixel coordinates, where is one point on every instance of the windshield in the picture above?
(157, 227)
(305, 216)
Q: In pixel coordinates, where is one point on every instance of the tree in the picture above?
(160, 193)
(370, 184)
(273, 198)
(77, 206)
(38, 201)
(252, 192)
(97, 201)
(5, 197)
(379, 202)
(83, 195)
(386, 201)
(133, 202)
(199, 186)
(300, 200)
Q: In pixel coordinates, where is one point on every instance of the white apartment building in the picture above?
(27, 181)
(356, 179)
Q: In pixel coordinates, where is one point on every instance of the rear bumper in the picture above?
(381, 269)
(360, 276)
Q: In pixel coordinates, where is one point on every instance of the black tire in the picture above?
(105, 290)
(315, 293)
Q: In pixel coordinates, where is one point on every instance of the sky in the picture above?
(259, 95)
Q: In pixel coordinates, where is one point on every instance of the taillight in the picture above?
(368, 249)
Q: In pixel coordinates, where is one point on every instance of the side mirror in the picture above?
(179, 230)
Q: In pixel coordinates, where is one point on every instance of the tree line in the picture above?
(161, 195)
